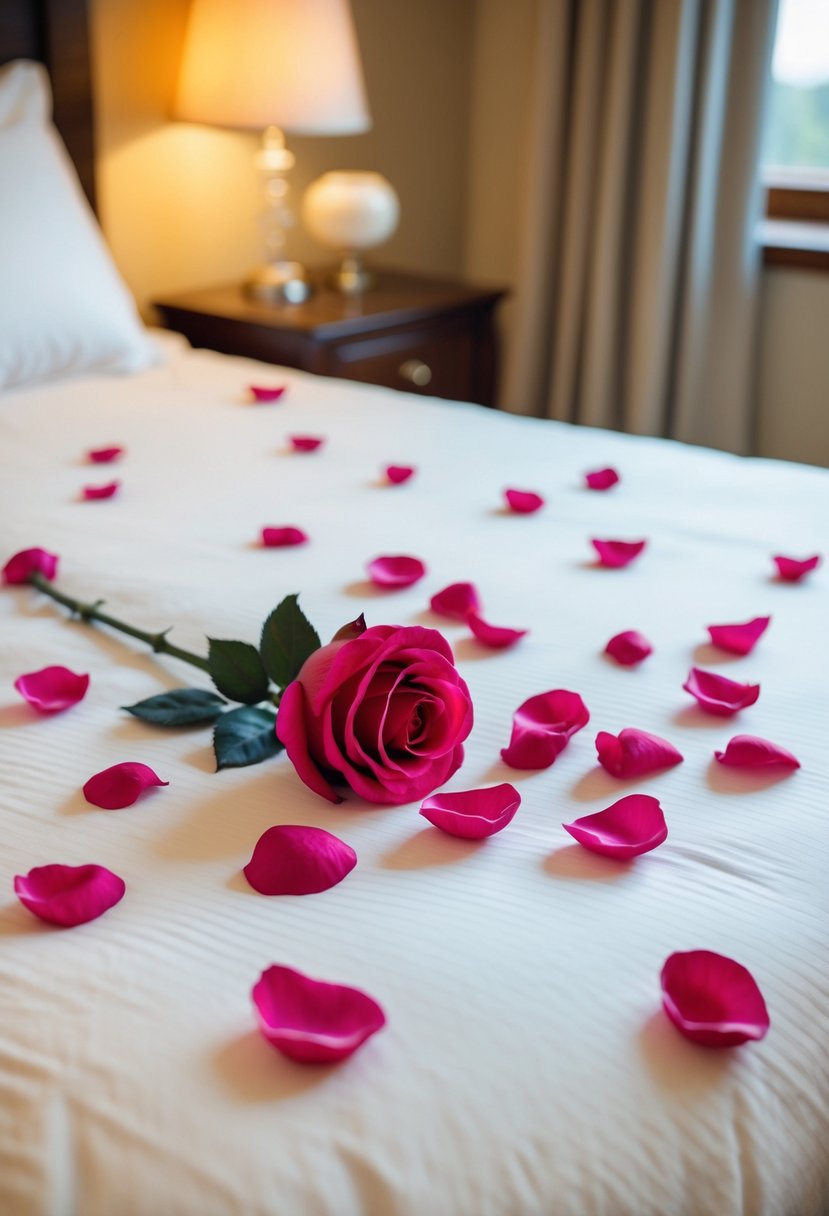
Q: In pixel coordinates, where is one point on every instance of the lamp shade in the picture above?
(293, 64)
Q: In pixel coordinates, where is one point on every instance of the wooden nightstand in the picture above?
(429, 336)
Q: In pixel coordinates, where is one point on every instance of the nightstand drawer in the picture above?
(430, 361)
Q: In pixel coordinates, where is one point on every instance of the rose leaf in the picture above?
(180, 707)
(288, 638)
(237, 671)
(245, 736)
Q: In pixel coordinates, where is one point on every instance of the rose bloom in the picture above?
(384, 711)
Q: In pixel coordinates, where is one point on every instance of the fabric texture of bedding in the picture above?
(84, 319)
(527, 1068)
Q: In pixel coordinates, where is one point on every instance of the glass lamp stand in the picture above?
(277, 280)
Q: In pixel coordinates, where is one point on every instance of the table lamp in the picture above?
(273, 66)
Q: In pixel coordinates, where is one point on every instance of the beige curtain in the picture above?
(636, 301)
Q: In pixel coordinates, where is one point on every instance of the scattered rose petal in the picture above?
(631, 826)
(281, 538)
(473, 814)
(30, 561)
(262, 393)
(69, 895)
(542, 727)
(523, 502)
(712, 999)
(52, 688)
(294, 860)
(398, 473)
(495, 636)
(104, 455)
(106, 491)
(749, 751)
(311, 1021)
(601, 479)
(396, 571)
(791, 570)
(629, 648)
(305, 443)
(616, 553)
(456, 601)
(633, 753)
(717, 694)
(739, 639)
(120, 786)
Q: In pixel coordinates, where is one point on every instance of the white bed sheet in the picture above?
(526, 1067)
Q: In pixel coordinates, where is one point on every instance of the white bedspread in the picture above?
(526, 1067)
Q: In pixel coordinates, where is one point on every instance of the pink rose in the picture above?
(386, 712)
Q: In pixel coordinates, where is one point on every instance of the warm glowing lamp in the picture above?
(273, 66)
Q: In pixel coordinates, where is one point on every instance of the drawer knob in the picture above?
(416, 372)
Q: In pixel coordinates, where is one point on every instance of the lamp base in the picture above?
(279, 283)
(351, 276)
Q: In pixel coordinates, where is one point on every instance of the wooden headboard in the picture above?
(55, 33)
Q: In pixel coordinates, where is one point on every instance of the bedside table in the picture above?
(429, 336)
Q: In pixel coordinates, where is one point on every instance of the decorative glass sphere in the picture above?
(350, 211)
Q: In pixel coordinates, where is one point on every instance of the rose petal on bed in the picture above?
(542, 727)
(282, 538)
(631, 826)
(629, 648)
(398, 473)
(311, 1021)
(717, 694)
(633, 753)
(395, 571)
(305, 443)
(52, 688)
(496, 637)
(293, 860)
(792, 570)
(523, 502)
(30, 561)
(69, 895)
(601, 479)
(739, 639)
(104, 455)
(473, 814)
(121, 785)
(456, 601)
(713, 1000)
(616, 553)
(104, 491)
(749, 751)
(261, 392)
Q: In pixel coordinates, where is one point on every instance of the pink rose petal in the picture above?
(396, 571)
(30, 561)
(633, 753)
(69, 895)
(456, 601)
(106, 491)
(616, 553)
(523, 502)
(104, 455)
(629, 648)
(631, 826)
(739, 639)
(712, 999)
(52, 688)
(311, 1021)
(495, 636)
(792, 570)
(398, 473)
(305, 443)
(262, 393)
(749, 751)
(283, 538)
(542, 727)
(717, 694)
(294, 860)
(121, 785)
(601, 479)
(473, 814)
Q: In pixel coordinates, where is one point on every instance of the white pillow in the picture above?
(63, 307)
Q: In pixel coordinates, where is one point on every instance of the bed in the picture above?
(527, 1066)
